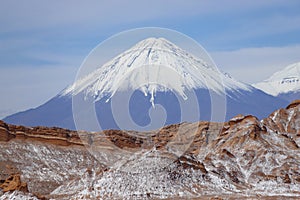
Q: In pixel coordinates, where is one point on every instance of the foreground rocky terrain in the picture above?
(242, 158)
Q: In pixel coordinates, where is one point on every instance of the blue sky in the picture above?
(43, 43)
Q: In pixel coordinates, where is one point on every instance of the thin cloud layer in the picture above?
(253, 65)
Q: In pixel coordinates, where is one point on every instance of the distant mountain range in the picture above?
(284, 84)
(156, 71)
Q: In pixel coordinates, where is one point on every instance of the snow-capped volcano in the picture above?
(152, 65)
(123, 92)
(284, 81)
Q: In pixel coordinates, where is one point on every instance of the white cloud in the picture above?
(252, 65)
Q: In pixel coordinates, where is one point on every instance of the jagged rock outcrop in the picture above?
(12, 183)
(294, 104)
(52, 135)
(242, 158)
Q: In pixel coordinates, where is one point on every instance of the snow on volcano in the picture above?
(154, 64)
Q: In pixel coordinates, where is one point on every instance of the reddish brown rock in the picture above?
(190, 163)
(13, 183)
(51, 135)
(239, 154)
(294, 104)
(4, 133)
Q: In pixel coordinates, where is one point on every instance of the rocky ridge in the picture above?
(244, 157)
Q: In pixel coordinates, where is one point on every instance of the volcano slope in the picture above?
(152, 72)
(242, 158)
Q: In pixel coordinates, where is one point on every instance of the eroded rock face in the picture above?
(293, 104)
(44, 157)
(12, 183)
(241, 158)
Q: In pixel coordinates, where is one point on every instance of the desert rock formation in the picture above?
(242, 158)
